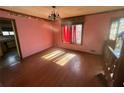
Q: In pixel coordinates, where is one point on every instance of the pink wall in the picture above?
(96, 28)
(34, 35)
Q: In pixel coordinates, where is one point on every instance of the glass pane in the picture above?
(73, 33)
(78, 33)
(113, 30)
(11, 33)
(118, 46)
(121, 27)
(5, 33)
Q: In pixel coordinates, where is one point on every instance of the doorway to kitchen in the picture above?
(9, 44)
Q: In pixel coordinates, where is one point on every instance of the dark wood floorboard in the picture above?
(81, 70)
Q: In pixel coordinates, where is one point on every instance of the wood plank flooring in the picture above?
(54, 67)
(9, 58)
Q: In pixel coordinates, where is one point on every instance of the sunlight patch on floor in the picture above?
(64, 59)
(53, 54)
(59, 57)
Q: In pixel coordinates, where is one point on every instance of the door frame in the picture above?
(16, 35)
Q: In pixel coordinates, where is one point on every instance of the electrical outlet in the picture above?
(92, 50)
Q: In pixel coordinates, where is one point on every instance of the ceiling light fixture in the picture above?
(54, 15)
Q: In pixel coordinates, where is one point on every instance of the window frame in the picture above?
(113, 41)
(75, 23)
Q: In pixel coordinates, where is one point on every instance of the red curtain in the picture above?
(67, 34)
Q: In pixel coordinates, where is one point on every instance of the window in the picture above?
(11, 33)
(7, 33)
(113, 30)
(117, 34)
(72, 34)
(121, 27)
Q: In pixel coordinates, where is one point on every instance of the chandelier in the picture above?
(54, 15)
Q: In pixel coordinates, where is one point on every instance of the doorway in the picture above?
(9, 46)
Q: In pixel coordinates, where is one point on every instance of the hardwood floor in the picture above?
(54, 67)
(9, 58)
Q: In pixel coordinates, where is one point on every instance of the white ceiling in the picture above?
(64, 11)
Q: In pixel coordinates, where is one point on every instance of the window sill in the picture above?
(72, 44)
